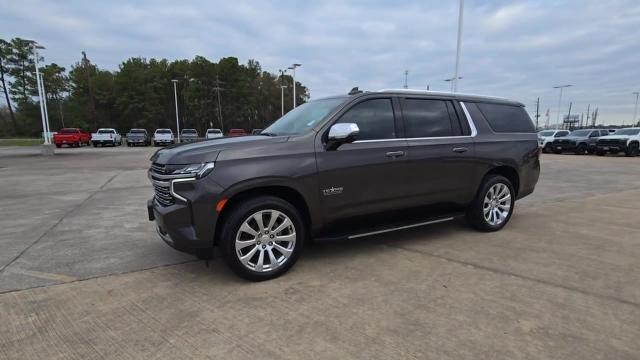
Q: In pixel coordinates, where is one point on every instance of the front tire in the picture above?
(493, 205)
(547, 148)
(633, 150)
(262, 238)
(581, 149)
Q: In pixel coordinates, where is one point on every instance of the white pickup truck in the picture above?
(623, 140)
(163, 137)
(106, 136)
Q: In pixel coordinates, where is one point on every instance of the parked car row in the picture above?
(74, 137)
(590, 141)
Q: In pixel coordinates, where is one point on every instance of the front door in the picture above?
(365, 176)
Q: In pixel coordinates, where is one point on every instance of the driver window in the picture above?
(373, 117)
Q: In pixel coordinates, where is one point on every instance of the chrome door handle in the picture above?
(460, 150)
(395, 154)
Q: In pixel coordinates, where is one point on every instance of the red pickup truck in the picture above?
(72, 137)
(236, 132)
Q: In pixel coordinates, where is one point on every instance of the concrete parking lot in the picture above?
(83, 275)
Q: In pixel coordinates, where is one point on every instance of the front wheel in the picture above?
(547, 148)
(262, 238)
(493, 205)
(633, 150)
(581, 149)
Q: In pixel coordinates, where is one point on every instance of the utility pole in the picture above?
(92, 104)
(282, 87)
(218, 89)
(42, 115)
(406, 75)
(635, 110)
(175, 95)
(458, 47)
(537, 112)
(569, 116)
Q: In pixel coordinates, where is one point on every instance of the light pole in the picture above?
(175, 94)
(560, 101)
(459, 45)
(282, 87)
(46, 110)
(293, 68)
(453, 81)
(635, 109)
(45, 135)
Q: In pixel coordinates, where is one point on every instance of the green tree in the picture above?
(21, 65)
(56, 84)
(5, 51)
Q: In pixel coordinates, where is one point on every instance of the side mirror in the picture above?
(343, 133)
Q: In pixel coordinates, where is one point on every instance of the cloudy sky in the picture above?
(515, 49)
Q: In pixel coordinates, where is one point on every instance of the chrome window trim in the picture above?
(472, 127)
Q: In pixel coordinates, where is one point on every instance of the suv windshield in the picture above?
(304, 117)
(627, 132)
(580, 133)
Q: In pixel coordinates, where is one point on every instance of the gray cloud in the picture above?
(513, 49)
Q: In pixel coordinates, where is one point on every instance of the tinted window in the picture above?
(604, 132)
(189, 131)
(546, 133)
(163, 131)
(69, 131)
(426, 118)
(562, 133)
(373, 117)
(138, 131)
(507, 118)
(106, 131)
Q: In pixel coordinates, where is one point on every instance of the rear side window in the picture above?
(562, 133)
(604, 132)
(506, 118)
(426, 118)
(373, 117)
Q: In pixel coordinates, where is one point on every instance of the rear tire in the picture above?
(493, 206)
(242, 236)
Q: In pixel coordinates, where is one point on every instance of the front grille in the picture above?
(162, 188)
(563, 141)
(612, 142)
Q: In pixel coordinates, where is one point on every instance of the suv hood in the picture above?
(208, 150)
(574, 138)
(617, 137)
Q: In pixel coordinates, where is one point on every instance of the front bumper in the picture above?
(611, 148)
(564, 146)
(189, 223)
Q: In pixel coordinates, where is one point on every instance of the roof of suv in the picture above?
(457, 96)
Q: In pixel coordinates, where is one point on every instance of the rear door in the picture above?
(368, 175)
(440, 147)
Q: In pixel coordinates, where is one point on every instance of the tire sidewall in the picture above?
(476, 211)
(234, 219)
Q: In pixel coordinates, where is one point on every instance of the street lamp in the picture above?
(459, 45)
(293, 68)
(41, 94)
(282, 87)
(453, 81)
(175, 94)
(560, 101)
(635, 109)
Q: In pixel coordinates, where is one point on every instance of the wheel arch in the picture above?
(285, 192)
(510, 173)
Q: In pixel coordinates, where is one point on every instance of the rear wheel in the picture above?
(262, 238)
(493, 205)
(632, 150)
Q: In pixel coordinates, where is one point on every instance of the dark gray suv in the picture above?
(344, 167)
(579, 141)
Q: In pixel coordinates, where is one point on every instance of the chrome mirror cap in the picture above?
(343, 131)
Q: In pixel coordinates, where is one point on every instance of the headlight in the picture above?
(196, 170)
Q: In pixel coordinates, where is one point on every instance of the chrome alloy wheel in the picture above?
(496, 204)
(265, 240)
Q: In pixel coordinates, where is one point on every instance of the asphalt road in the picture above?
(83, 275)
